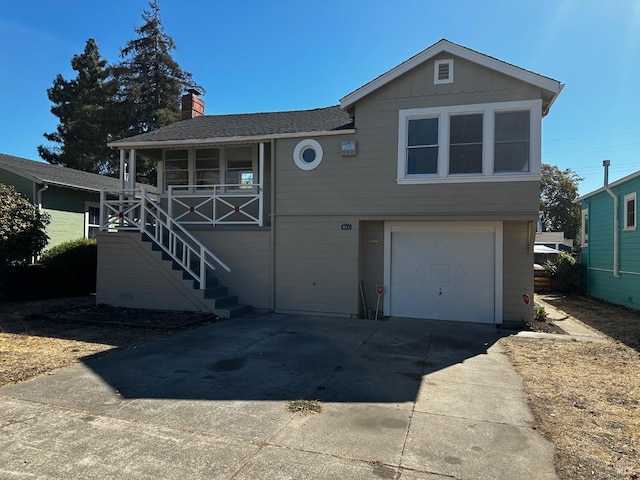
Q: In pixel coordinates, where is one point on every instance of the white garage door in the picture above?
(443, 271)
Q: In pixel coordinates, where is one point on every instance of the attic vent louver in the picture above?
(443, 72)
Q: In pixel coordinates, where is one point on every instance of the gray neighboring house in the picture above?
(424, 181)
(71, 197)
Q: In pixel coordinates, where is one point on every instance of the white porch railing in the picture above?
(216, 204)
(132, 210)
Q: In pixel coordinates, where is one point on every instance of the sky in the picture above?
(278, 55)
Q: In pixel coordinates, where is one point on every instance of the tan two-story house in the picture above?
(424, 181)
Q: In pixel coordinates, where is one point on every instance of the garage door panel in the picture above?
(447, 275)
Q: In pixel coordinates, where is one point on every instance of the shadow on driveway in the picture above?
(283, 357)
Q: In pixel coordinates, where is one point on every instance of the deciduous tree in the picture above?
(558, 190)
(22, 228)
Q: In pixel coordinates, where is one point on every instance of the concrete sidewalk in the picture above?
(410, 399)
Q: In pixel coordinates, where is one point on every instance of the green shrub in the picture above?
(72, 267)
(568, 275)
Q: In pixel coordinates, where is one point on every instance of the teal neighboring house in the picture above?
(71, 197)
(611, 241)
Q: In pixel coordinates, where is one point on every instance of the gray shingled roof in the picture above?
(247, 125)
(41, 172)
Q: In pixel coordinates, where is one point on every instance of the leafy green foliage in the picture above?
(558, 190)
(86, 111)
(567, 274)
(541, 314)
(22, 228)
(72, 266)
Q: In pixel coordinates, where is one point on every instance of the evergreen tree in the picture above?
(151, 84)
(84, 106)
(558, 190)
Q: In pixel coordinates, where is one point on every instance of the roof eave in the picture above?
(611, 185)
(224, 140)
(546, 83)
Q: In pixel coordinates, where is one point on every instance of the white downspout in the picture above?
(39, 196)
(616, 240)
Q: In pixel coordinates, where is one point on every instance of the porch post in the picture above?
(123, 173)
(261, 185)
(132, 169)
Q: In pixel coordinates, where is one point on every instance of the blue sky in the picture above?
(290, 54)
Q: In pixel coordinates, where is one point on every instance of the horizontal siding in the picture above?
(371, 259)
(130, 275)
(22, 185)
(472, 83)
(598, 256)
(366, 183)
(64, 226)
(316, 265)
(248, 254)
(622, 291)
(517, 272)
(68, 199)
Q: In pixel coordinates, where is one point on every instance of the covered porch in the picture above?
(199, 186)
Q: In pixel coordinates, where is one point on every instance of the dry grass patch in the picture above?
(33, 344)
(304, 407)
(586, 396)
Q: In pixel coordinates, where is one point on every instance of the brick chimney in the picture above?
(192, 105)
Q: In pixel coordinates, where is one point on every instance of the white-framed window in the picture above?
(235, 165)
(492, 142)
(176, 167)
(584, 226)
(239, 167)
(465, 143)
(207, 166)
(91, 219)
(630, 211)
(443, 71)
(307, 154)
(422, 146)
(512, 141)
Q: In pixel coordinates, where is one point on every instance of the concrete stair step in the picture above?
(233, 311)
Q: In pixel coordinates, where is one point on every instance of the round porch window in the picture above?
(307, 155)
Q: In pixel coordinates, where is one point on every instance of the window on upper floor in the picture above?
(512, 141)
(585, 227)
(499, 141)
(207, 166)
(176, 167)
(422, 146)
(630, 211)
(235, 166)
(465, 143)
(240, 168)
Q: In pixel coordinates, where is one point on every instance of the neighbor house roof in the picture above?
(243, 126)
(551, 86)
(611, 185)
(45, 173)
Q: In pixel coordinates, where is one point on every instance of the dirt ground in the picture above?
(40, 336)
(585, 396)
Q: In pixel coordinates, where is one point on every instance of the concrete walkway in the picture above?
(410, 399)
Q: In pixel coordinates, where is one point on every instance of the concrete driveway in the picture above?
(410, 399)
